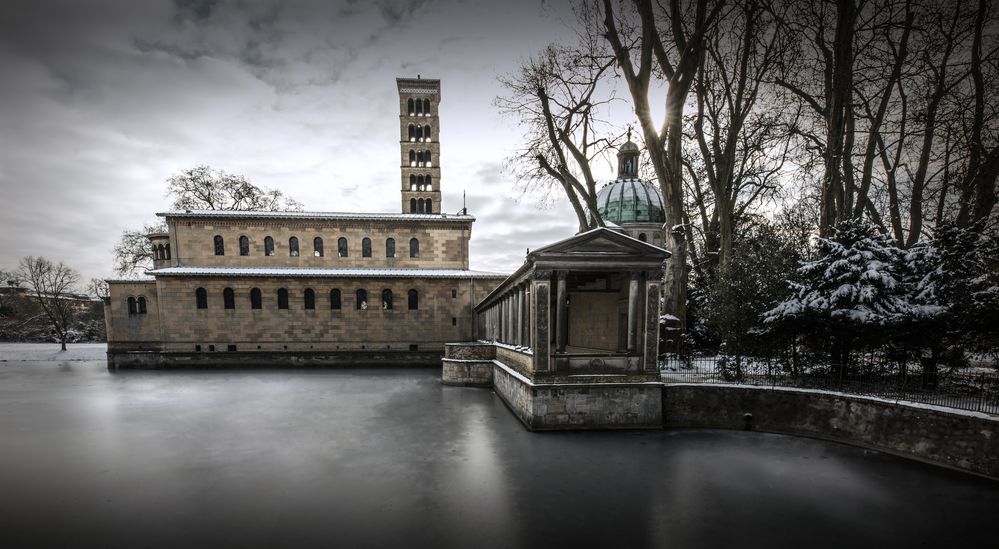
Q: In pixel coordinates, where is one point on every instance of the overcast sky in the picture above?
(100, 102)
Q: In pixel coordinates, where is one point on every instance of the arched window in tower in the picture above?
(386, 299)
(268, 246)
(219, 245)
(310, 299)
(282, 298)
(334, 299)
(426, 158)
(228, 298)
(412, 107)
(141, 305)
(412, 182)
(426, 133)
(341, 247)
(167, 256)
(419, 133)
(420, 206)
(244, 245)
(412, 132)
(361, 300)
(430, 205)
(256, 301)
(201, 298)
(426, 107)
(412, 158)
(419, 158)
(414, 248)
(293, 246)
(413, 300)
(317, 247)
(366, 247)
(132, 308)
(430, 183)
(419, 107)
(412, 205)
(390, 247)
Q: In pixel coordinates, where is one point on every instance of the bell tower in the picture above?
(419, 141)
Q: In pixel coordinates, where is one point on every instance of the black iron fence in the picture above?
(875, 374)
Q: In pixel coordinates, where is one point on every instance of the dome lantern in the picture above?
(627, 159)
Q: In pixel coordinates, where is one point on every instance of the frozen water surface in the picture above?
(383, 458)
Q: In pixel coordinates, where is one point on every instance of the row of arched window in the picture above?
(161, 252)
(136, 306)
(418, 107)
(419, 133)
(318, 249)
(420, 183)
(421, 205)
(308, 299)
(420, 159)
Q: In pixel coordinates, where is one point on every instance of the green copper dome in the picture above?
(630, 201)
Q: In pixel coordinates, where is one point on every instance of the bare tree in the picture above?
(665, 42)
(557, 96)
(98, 287)
(199, 188)
(203, 188)
(739, 143)
(53, 286)
(133, 254)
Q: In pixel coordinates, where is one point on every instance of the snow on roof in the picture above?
(318, 215)
(323, 273)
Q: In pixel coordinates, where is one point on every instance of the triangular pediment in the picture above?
(601, 242)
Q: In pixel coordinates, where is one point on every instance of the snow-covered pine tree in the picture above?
(956, 285)
(852, 291)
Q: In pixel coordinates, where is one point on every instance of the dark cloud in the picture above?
(196, 9)
(100, 102)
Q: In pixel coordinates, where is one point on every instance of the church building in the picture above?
(304, 288)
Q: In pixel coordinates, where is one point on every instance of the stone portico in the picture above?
(570, 340)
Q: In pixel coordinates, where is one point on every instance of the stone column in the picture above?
(652, 311)
(524, 337)
(504, 324)
(518, 321)
(541, 313)
(561, 314)
(510, 328)
(633, 303)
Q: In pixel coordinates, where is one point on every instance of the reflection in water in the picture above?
(381, 458)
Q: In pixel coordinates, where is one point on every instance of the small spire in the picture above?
(629, 132)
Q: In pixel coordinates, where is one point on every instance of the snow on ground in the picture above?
(49, 352)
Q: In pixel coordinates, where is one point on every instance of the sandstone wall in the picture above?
(442, 245)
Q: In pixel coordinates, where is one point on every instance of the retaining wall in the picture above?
(967, 441)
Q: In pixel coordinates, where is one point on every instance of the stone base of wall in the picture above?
(961, 440)
(560, 406)
(467, 373)
(151, 360)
